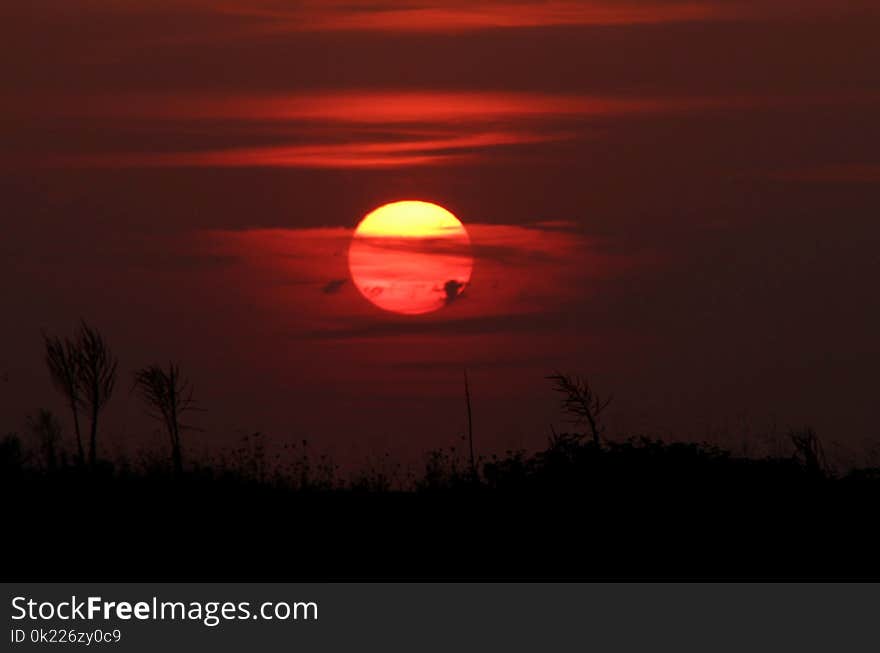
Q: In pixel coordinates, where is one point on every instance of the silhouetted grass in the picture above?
(583, 507)
(577, 509)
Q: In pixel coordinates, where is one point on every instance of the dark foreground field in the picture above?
(577, 510)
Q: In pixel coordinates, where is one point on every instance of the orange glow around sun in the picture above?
(410, 257)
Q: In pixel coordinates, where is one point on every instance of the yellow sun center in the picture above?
(410, 257)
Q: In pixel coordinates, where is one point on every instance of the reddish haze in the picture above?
(676, 199)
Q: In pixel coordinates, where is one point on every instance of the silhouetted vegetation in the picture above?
(470, 424)
(169, 396)
(63, 361)
(582, 402)
(47, 431)
(97, 378)
(587, 505)
(809, 451)
(84, 370)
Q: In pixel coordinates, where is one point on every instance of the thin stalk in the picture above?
(467, 396)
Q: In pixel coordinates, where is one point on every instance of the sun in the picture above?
(410, 257)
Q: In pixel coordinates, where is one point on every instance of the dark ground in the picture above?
(576, 511)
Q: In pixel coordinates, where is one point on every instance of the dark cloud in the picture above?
(334, 286)
(453, 290)
(391, 327)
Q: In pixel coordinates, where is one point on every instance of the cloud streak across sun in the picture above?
(518, 270)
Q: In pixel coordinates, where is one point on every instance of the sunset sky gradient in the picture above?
(678, 199)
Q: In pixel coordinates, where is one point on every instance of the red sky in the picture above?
(677, 199)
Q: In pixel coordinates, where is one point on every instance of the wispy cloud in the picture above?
(199, 21)
(370, 129)
(372, 154)
(430, 15)
(375, 106)
(351, 129)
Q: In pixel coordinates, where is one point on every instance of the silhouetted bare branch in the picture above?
(97, 378)
(582, 402)
(63, 360)
(171, 396)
